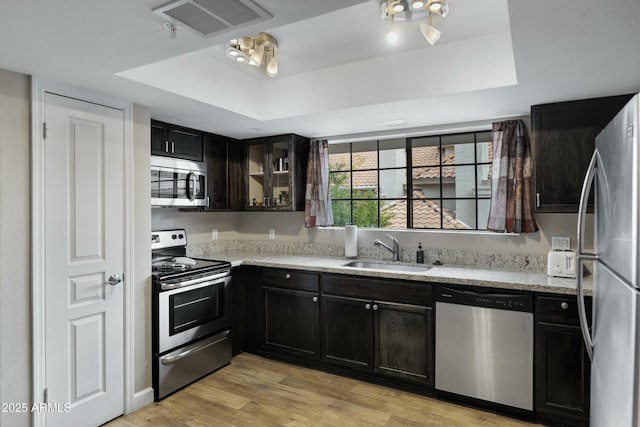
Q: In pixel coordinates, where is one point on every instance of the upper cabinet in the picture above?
(563, 141)
(275, 171)
(175, 141)
(224, 159)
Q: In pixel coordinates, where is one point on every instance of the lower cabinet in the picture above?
(291, 312)
(372, 328)
(562, 366)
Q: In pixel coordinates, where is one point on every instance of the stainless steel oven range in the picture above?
(191, 307)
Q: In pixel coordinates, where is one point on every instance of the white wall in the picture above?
(15, 248)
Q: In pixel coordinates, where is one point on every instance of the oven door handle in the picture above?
(167, 360)
(217, 278)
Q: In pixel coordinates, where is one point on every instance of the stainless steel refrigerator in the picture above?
(614, 341)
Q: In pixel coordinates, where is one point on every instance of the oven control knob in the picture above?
(174, 237)
(181, 236)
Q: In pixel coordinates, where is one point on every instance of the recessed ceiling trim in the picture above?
(209, 18)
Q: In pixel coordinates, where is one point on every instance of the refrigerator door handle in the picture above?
(582, 255)
(582, 311)
(584, 198)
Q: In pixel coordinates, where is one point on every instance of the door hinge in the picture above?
(44, 130)
(46, 395)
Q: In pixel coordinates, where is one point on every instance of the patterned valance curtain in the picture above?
(511, 193)
(317, 203)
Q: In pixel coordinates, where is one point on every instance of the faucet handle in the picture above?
(391, 237)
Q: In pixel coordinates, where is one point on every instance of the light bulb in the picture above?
(272, 67)
(240, 58)
(397, 6)
(431, 33)
(417, 4)
(392, 36)
(435, 6)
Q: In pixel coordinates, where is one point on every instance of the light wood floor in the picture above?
(254, 391)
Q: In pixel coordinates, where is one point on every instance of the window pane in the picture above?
(365, 213)
(341, 212)
(483, 213)
(393, 214)
(484, 153)
(426, 213)
(458, 149)
(365, 184)
(339, 157)
(393, 153)
(483, 186)
(464, 180)
(364, 155)
(425, 151)
(393, 183)
(461, 216)
(426, 181)
(340, 185)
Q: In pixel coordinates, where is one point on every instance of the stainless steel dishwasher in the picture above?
(484, 344)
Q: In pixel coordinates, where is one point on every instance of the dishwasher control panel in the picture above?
(486, 297)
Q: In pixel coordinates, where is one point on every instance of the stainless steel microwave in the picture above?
(177, 182)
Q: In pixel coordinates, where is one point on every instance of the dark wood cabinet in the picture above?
(223, 157)
(403, 341)
(562, 366)
(275, 172)
(563, 142)
(291, 312)
(175, 141)
(384, 326)
(347, 332)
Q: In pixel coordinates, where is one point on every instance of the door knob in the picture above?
(114, 279)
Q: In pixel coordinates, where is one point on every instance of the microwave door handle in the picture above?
(191, 186)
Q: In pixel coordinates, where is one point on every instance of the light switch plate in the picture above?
(560, 243)
(272, 234)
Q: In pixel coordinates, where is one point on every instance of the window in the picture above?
(434, 182)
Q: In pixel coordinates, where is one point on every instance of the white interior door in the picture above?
(84, 246)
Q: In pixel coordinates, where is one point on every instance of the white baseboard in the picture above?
(141, 399)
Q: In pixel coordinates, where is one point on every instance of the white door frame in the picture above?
(38, 89)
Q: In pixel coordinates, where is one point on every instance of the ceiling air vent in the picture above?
(212, 17)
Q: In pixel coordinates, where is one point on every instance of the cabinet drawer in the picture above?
(291, 279)
(376, 289)
(560, 309)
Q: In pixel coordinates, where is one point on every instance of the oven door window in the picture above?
(190, 309)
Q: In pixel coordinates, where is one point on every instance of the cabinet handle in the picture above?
(537, 200)
(287, 276)
(564, 305)
(367, 306)
(264, 202)
(166, 146)
(375, 306)
(173, 147)
(315, 299)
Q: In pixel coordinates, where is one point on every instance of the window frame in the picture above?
(408, 198)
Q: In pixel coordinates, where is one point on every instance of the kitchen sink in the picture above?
(386, 266)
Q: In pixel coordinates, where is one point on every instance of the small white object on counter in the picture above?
(351, 241)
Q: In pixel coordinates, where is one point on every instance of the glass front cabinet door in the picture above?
(276, 172)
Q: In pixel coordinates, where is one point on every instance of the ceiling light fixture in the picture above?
(259, 50)
(431, 33)
(415, 10)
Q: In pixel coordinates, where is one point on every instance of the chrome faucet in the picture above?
(396, 246)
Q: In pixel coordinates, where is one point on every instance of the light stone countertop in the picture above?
(453, 274)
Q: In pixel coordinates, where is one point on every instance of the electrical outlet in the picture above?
(214, 234)
(272, 234)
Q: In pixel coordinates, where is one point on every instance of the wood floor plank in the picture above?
(258, 392)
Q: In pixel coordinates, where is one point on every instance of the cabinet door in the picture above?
(563, 141)
(256, 172)
(292, 321)
(280, 151)
(403, 336)
(216, 157)
(159, 138)
(185, 143)
(562, 374)
(347, 332)
(237, 178)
